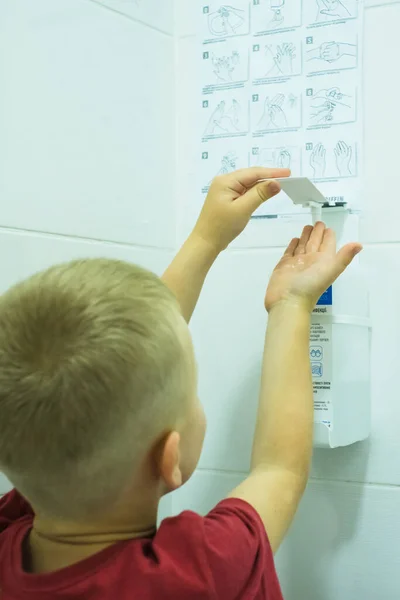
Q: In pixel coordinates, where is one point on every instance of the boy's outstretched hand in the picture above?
(231, 201)
(308, 267)
(282, 446)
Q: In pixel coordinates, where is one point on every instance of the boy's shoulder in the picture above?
(215, 556)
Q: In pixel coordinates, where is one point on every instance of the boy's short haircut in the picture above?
(92, 369)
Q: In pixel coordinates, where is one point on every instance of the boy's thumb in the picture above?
(259, 194)
(345, 256)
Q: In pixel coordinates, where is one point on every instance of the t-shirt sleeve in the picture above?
(239, 553)
(226, 554)
(13, 507)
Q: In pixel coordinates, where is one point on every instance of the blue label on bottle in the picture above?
(326, 298)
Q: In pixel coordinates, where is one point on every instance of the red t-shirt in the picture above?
(225, 555)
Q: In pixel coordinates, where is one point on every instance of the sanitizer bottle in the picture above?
(340, 333)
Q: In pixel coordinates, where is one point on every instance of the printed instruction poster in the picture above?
(281, 87)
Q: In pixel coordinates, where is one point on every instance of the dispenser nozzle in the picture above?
(302, 191)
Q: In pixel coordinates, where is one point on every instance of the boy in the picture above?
(99, 418)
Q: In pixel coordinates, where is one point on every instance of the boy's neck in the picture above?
(54, 545)
(44, 554)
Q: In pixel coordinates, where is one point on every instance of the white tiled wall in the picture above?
(87, 123)
(344, 543)
(158, 14)
(86, 130)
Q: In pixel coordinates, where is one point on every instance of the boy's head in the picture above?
(97, 384)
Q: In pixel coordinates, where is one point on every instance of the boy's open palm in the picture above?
(308, 267)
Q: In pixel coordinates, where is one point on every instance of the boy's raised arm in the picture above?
(283, 439)
(231, 201)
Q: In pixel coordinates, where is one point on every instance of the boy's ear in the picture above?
(169, 461)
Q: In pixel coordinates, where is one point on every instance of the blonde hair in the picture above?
(91, 369)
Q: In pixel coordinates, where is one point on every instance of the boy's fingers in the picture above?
(305, 236)
(345, 256)
(257, 195)
(316, 237)
(291, 249)
(253, 175)
(329, 241)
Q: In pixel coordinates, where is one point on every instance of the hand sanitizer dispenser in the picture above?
(340, 333)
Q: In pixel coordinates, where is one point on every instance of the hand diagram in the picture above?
(222, 71)
(225, 21)
(330, 51)
(322, 112)
(343, 154)
(273, 116)
(327, 102)
(285, 55)
(277, 20)
(318, 161)
(224, 120)
(275, 112)
(224, 66)
(228, 164)
(234, 113)
(215, 118)
(333, 8)
(284, 159)
(331, 94)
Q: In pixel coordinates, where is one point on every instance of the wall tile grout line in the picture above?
(356, 483)
(177, 130)
(236, 250)
(49, 234)
(130, 18)
(317, 480)
(381, 4)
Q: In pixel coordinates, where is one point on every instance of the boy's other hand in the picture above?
(308, 267)
(231, 201)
